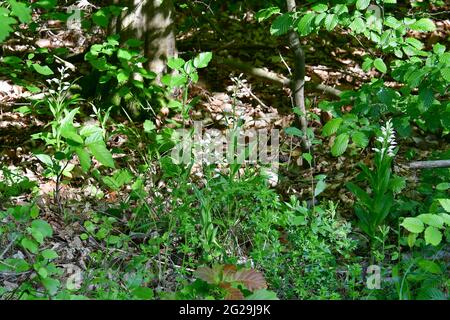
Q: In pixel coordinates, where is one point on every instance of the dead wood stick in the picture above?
(429, 164)
(276, 78)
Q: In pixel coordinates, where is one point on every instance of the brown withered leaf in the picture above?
(210, 275)
(251, 279)
(234, 294)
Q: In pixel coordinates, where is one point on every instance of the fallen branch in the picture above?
(275, 77)
(429, 164)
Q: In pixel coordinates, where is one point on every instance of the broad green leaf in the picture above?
(46, 4)
(445, 203)
(101, 153)
(331, 21)
(446, 218)
(413, 225)
(124, 54)
(265, 14)
(45, 159)
(320, 187)
(262, 294)
(143, 293)
(319, 7)
(380, 65)
(52, 285)
(360, 139)
(429, 266)
(431, 219)
(340, 144)
(101, 18)
(362, 4)
(21, 11)
(331, 127)
(68, 131)
(202, 60)
(423, 25)
(176, 63)
(49, 254)
(175, 80)
(281, 25)
(44, 70)
(293, 131)
(443, 186)
(30, 245)
(149, 126)
(84, 158)
(43, 227)
(358, 25)
(305, 25)
(432, 236)
(5, 27)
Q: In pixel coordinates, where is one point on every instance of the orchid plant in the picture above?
(374, 204)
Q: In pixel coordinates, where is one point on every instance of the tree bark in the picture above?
(150, 21)
(298, 81)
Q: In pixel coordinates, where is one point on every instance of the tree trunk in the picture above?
(298, 81)
(150, 21)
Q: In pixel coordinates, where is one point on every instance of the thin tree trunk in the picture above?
(298, 81)
(150, 21)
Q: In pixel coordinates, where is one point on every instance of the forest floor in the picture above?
(331, 60)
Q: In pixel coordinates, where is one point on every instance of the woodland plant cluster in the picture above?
(143, 226)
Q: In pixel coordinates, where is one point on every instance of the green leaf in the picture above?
(432, 236)
(380, 65)
(265, 14)
(262, 294)
(124, 54)
(176, 63)
(358, 25)
(293, 131)
(443, 186)
(413, 225)
(340, 144)
(429, 266)
(84, 158)
(20, 10)
(175, 80)
(202, 60)
(149, 126)
(331, 127)
(101, 18)
(44, 70)
(143, 293)
(51, 285)
(30, 245)
(49, 254)
(281, 25)
(360, 139)
(423, 25)
(445, 72)
(362, 4)
(397, 184)
(320, 187)
(43, 227)
(101, 153)
(5, 27)
(445, 203)
(431, 219)
(68, 131)
(331, 21)
(319, 7)
(45, 159)
(46, 4)
(305, 25)
(446, 218)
